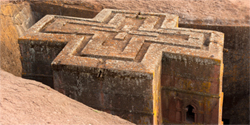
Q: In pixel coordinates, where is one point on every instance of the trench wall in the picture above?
(15, 19)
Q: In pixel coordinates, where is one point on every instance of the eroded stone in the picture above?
(137, 65)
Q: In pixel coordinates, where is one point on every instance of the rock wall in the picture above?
(15, 19)
(66, 8)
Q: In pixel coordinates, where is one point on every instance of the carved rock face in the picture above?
(130, 64)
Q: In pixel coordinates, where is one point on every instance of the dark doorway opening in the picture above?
(225, 121)
(190, 114)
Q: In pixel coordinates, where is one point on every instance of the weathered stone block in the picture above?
(236, 78)
(38, 49)
(131, 64)
(191, 81)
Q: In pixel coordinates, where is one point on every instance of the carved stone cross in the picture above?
(132, 64)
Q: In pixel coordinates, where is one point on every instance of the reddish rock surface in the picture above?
(9, 48)
(225, 12)
(29, 102)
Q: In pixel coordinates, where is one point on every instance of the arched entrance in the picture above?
(190, 115)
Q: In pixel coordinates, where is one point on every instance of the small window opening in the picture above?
(190, 114)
